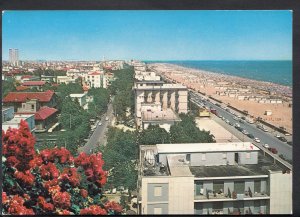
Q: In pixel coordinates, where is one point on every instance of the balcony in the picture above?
(248, 195)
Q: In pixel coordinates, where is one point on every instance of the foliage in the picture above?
(121, 87)
(7, 86)
(76, 121)
(186, 131)
(51, 181)
(120, 154)
(64, 90)
(49, 72)
(154, 135)
(100, 101)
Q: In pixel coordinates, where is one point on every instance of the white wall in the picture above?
(280, 193)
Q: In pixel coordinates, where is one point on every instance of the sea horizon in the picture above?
(274, 71)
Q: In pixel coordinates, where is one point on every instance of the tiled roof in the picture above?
(95, 73)
(44, 113)
(34, 83)
(23, 96)
(20, 88)
(26, 76)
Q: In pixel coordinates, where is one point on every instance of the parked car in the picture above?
(100, 124)
(273, 150)
(266, 145)
(257, 139)
(237, 125)
(235, 118)
(227, 121)
(290, 143)
(245, 132)
(106, 118)
(277, 135)
(231, 124)
(250, 136)
(241, 121)
(282, 139)
(239, 129)
(223, 118)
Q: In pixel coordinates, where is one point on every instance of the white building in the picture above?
(96, 79)
(211, 178)
(14, 57)
(81, 98)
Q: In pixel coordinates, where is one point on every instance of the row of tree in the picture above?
(121, 88)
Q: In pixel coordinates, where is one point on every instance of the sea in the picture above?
(279, 72)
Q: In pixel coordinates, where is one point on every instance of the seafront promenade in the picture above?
(253, 96)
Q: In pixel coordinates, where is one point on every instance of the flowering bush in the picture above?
(50, 181)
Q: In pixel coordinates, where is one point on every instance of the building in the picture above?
(34, 84)
(65, 79)
(14, 57)
(95, 79)
(166, 96)
(81, 98)
(44, 118)
(30, 101)
(211, 178)
(12, 120)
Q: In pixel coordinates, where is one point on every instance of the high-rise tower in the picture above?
(14, 56)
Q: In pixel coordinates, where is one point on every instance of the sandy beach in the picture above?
(212, 84)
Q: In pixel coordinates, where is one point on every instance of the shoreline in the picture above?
(211, 83)
(234, 77)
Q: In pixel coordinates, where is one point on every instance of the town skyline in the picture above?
(145, 35)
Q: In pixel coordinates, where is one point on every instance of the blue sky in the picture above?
(148, 35)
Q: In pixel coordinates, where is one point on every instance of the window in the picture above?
(239, 187)
(32, 106)
(157, 191)
(217, 205)
(218, 186)
(199, 188)
(203, 156)
(248, 155)
(188, 157)
(257, 186)
(157, 210)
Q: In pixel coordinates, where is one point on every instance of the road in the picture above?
(98, 137)
(265, 137)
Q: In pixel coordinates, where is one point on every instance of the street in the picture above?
(98, 137)
(265, 137)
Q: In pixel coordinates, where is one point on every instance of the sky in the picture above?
(148, 35)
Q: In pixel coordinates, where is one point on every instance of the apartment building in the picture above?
(211, 178)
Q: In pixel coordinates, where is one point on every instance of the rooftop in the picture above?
(44, 113)
(206, 147)
(161, 87)
(264, 164)
(34, 83)
(164, 115)
(24, 96)
(77, 94)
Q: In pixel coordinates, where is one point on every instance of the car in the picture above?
(100, 124)
(241, 121)
(239, 116)
(277, 135)
(220, 116)
(223, 118)
(250, 136)
(290, 143)
(257, 139)
(239, 129)
(282, 139)
(273, 150)
(245, 132)
(106, 118)
(231, 124)
(237, 125)
(265, 129)
(235, 118)
(227, 121)
(266, 145)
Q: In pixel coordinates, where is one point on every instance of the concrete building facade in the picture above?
(14, 57)
(211, 178)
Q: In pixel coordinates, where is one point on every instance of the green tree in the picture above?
(154, 135)
(8, 86)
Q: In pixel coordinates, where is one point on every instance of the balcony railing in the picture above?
(230, 195)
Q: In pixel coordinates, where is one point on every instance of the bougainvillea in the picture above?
(50, 181)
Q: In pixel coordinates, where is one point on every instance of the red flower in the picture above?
(44, 205)
(64, 212)
(62, 200)
(93, 210)
(112, 205)
(49, 171)
(26, 177)
(16, 206)
(83, 193)
(4, 198)
(12, 161)
(64, 155)
(70, 175)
